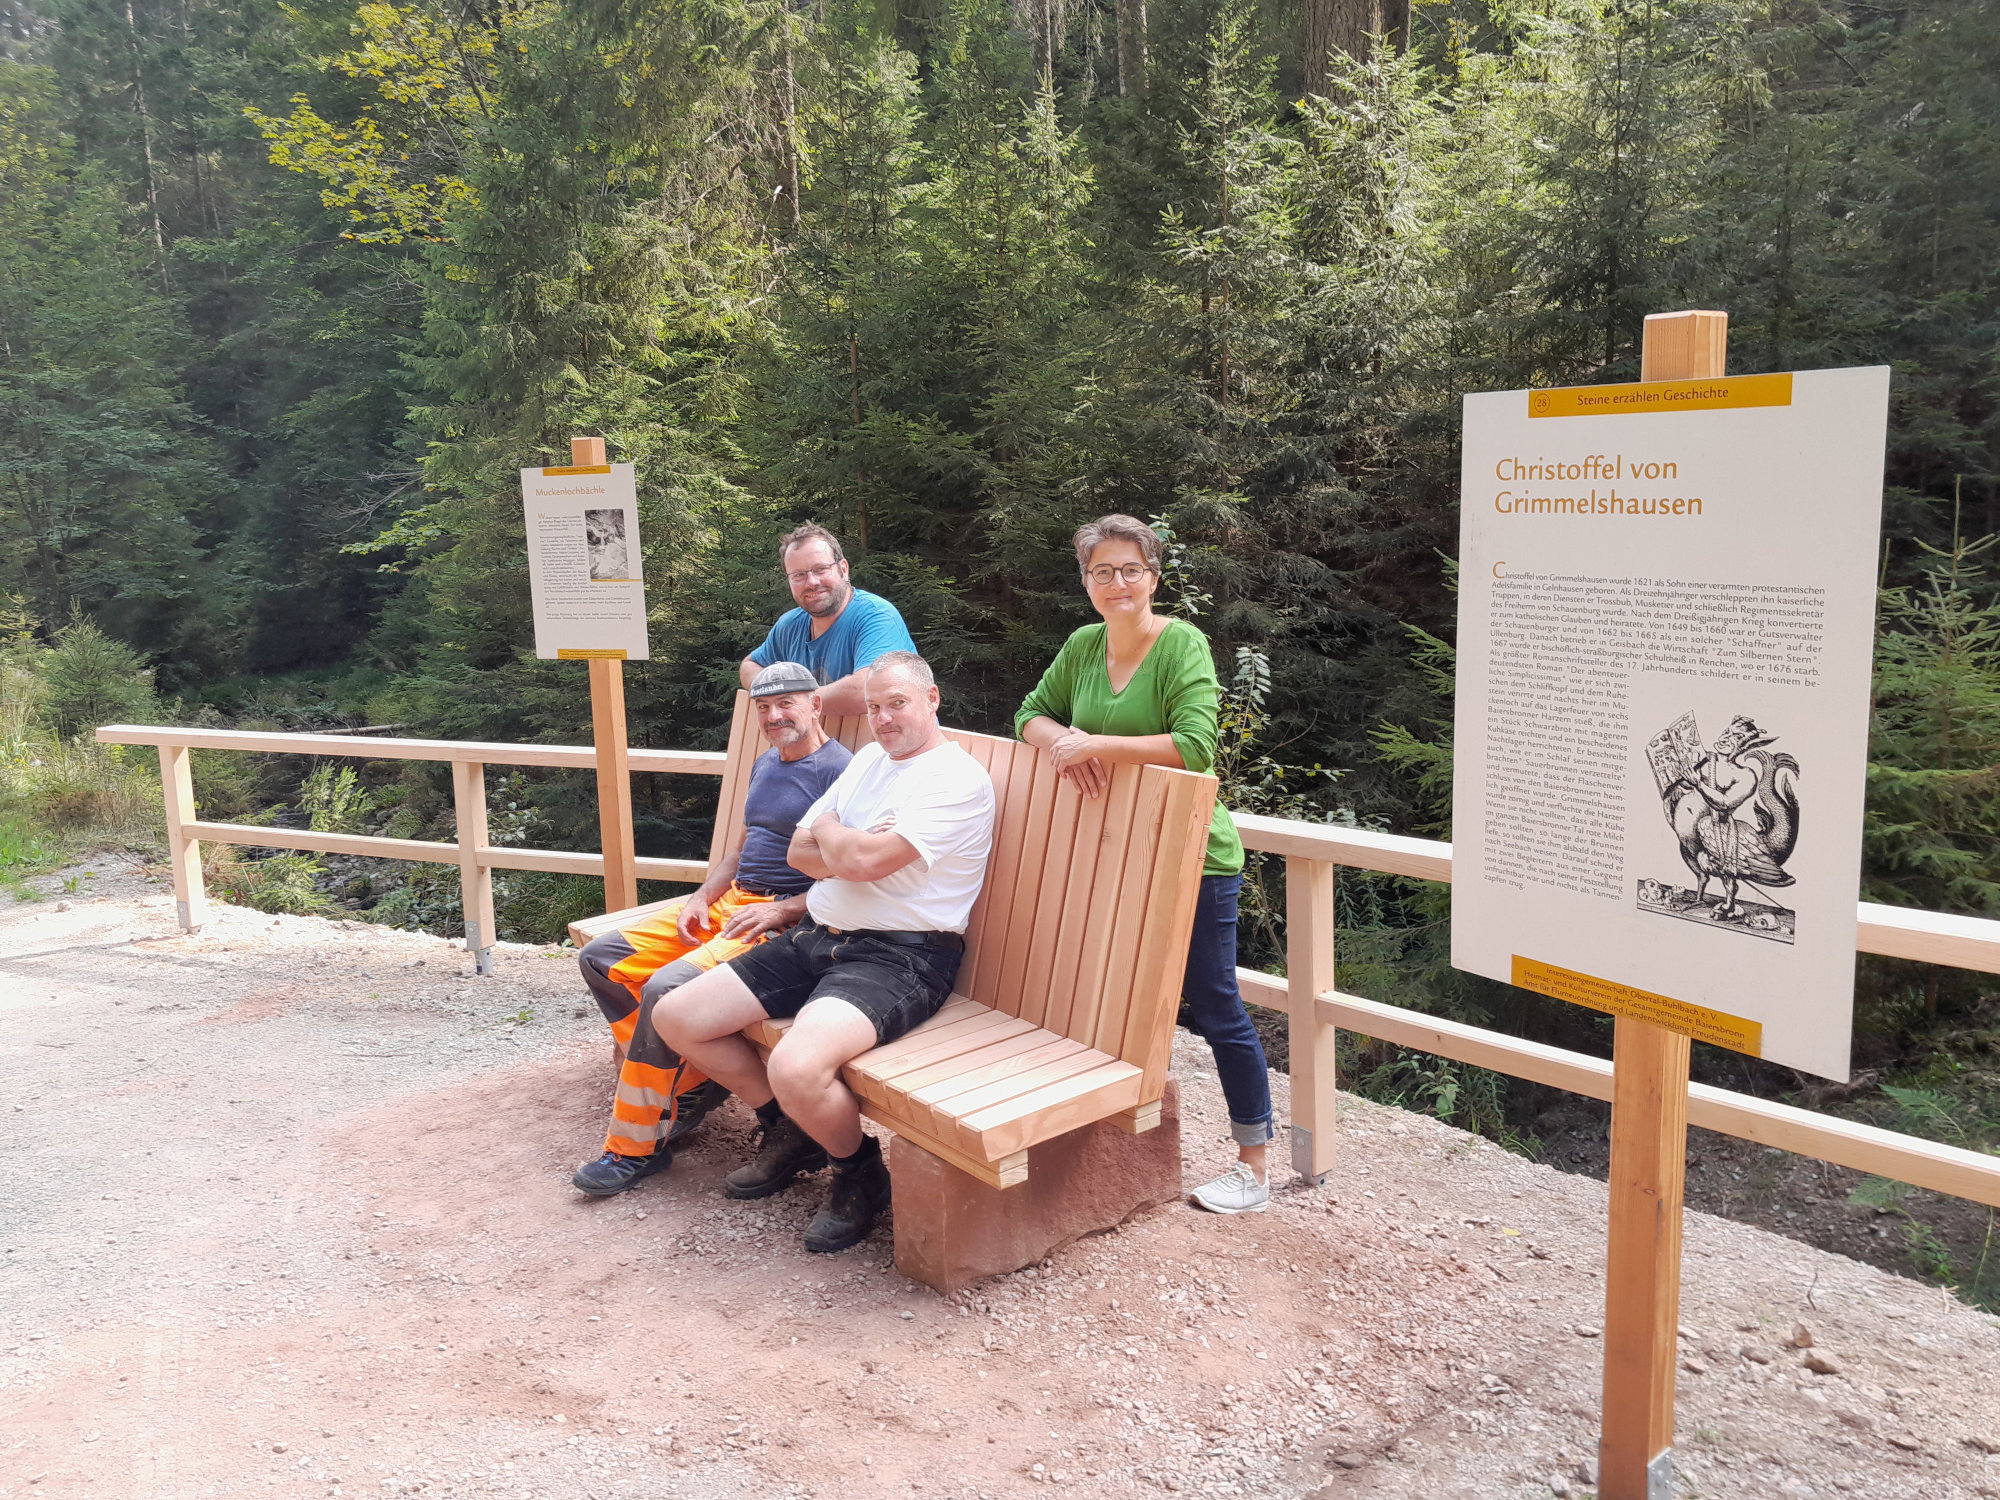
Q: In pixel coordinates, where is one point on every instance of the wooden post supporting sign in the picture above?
(1649, 1106)
(607, 722)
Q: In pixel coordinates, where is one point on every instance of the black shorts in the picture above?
(896, 985)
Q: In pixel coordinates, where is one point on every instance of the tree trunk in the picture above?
(789, 84)
(1345, 26)
(146, 137)
(1131, 49)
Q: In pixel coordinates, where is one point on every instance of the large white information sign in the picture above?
(1666, 621)
(583, 563)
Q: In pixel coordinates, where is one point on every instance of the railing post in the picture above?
(475, 878)
(1309, 974)
(183, 853)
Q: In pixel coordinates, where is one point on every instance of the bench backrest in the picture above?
(1082, 926)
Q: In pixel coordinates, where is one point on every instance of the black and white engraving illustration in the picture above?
(1701, 792)
(604, 534)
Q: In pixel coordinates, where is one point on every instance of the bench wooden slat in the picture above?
(936, 1044)
(1029, 1119)
(1056, 1058)
(1073, 1006)
(852, 730)
(1122, 917)
(1027, 1048)
(1105, 1030)
(1050, 898)
(993, 918)
(1018, 944)
(955, 1015)
(976, 922)
(964, 1099)
(1155, 843)
(746, 743)
(1070, 936)
(765, 1033)
(1161, 966)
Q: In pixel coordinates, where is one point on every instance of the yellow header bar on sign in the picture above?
(1716, 394)
(606, 468)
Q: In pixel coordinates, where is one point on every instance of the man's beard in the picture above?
(836, 599)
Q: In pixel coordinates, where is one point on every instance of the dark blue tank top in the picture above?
(780, 793)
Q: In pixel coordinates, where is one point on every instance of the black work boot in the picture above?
(612, 1173)
(860, 1193)
(786, 1151)
(691, 1108)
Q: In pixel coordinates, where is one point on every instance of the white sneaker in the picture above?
(1236, 1191)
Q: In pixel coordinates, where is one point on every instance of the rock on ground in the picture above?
(284, 1210)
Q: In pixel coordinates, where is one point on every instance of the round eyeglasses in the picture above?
(1103, 573)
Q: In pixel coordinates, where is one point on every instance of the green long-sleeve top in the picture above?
(1173, 692)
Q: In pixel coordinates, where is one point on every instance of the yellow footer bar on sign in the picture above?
(1716, 1027)
(578, 653)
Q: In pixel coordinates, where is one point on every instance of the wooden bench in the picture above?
(1064, 1011)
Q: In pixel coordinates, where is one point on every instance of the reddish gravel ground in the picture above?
(284, 1210)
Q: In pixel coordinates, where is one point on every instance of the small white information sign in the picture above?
(583, 563)
(1666, 627)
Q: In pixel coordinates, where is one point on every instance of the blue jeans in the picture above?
(1216, 1013)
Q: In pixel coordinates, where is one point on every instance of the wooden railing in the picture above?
(1316, 1009)
(475, 857)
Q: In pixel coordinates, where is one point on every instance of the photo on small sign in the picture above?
(604, 536)
(1701, 792)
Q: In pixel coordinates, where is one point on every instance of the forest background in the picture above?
(289, 291)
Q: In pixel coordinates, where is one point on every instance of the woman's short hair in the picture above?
(1118, 528)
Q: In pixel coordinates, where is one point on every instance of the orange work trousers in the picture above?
(628, 971)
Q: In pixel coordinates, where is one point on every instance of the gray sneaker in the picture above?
(1236, 1191)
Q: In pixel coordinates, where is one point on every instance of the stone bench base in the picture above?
(953, 1230)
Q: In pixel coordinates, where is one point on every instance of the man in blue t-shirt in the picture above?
(837, 631)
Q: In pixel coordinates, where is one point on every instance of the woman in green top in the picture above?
(1140, 690)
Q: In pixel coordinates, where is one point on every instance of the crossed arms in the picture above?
(831, 850)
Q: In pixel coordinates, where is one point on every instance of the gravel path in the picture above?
(284, 1210)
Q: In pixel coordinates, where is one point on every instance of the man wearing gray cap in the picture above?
(898, 848)
(751, 892)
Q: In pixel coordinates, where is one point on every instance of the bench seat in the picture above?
(978, 1087)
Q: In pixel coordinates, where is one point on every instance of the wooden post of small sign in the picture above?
(614, 769)
(1649, 1106)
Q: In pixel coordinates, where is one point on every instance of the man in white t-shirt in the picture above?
(897, 849)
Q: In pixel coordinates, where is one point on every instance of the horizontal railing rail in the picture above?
(1895, 931)
(1315, 1008)
(476, 857)
(374, 747)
